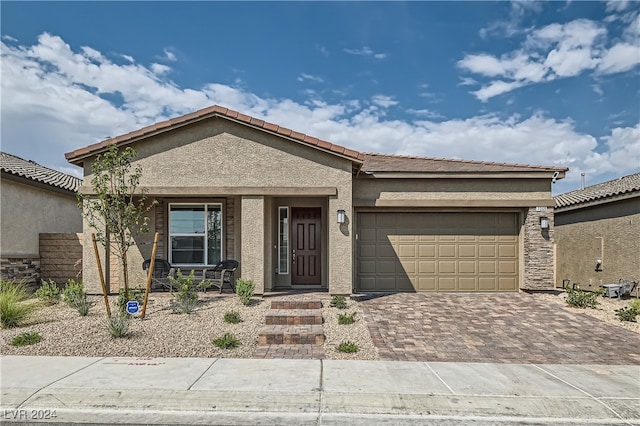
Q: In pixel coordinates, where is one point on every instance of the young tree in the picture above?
(116, 208)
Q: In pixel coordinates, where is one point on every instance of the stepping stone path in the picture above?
(293, 329)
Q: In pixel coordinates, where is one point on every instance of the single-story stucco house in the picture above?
(298, 212)
(598, 233)
(37, 201)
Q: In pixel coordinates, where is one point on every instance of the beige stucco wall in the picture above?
(222, 155)
(26, 211)
(577, 238)
(367, 190)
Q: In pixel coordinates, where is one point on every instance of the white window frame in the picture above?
(280, 210)
(204, 235)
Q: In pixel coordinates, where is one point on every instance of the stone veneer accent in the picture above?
(538, 251)
(21, 269)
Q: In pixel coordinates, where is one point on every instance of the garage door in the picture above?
(437, 252)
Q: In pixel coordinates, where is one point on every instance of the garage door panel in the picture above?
(446, 284)
(466, 250)
(487, 251)
(467, 267)
(437, 252)
(427, 284)
(447, 250)
(467, 284)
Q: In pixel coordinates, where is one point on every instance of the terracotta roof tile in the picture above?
(404, 163)
(31, 170)
(270, 127)
(311, 140)
(601, 191)
(284, 131)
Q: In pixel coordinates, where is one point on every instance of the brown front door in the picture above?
(306, 238)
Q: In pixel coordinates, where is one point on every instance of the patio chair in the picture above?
(162, 271)
(221, 274)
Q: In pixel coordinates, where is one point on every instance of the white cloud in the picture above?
(159, 69)
(309, 77)
(58, 104)
(366, 51)
(169, 55)
(620, 58)
(617, 5)
(555, 51)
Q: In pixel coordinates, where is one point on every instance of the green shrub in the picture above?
(582, 299)
(187, 296)
(118, 324)
(228, 341)
(49, 292)
(339, 302)
(346, 319)
(627, 314)
(136, 294)
(82, 305)
(244, 290)
(13, 309)
(26, 338)
(347, 347)
(232, 317)
(635, 305)
(72, 291)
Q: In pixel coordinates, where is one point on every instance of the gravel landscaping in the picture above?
(164, 333)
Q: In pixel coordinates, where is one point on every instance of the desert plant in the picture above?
(228, 341)
(582, 299)
(339, 302)
(49, 292)
(187, 297)
(13, 309)
(26, 338)
(116, 209)
(75, 296)
(232, 317)
(628, 313)
(347, 347)
(635, 304)
(244, 290)
(72, 291)
(346, 319)
(118, 324)
(136, 294)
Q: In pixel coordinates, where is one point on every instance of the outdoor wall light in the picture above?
(544, 222)
(341, 216)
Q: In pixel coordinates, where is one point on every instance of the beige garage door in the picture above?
(437, 252)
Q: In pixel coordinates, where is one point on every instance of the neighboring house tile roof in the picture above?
(600, 192)
(372, 162)
(28, 169)
(405, 163)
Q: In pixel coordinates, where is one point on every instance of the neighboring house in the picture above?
(35, 200)
(598, 233)
(232, 186)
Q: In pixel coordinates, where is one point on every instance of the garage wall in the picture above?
(610, 230)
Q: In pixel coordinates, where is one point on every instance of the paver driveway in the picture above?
(506, 328)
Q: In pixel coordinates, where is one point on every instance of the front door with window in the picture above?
(306, 238)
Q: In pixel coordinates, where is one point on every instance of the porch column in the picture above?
(252, 240)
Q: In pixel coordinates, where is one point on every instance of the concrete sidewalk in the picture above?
(314, 392)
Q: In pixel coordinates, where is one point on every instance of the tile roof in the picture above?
(215, 111)
(372, 162)
(600, 192)
(405, 163)
(31, 170)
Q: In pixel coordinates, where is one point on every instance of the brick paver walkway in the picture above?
(506, 328)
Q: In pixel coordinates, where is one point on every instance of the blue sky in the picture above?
(551, 83)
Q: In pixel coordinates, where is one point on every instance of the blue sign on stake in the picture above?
(133, 307)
